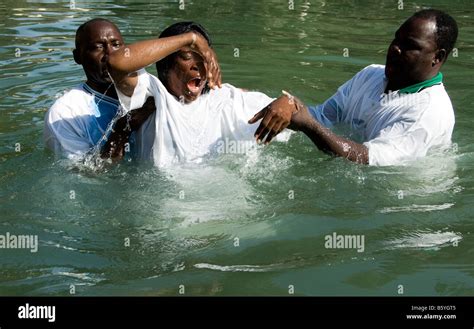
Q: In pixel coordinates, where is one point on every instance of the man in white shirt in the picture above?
(79, 118)
(400, 110)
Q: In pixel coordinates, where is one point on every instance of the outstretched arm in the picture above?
(326, 140)
(288, 111)
(124, 62)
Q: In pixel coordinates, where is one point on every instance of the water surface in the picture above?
(233, 225)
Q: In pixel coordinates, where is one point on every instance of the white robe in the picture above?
(179, 132)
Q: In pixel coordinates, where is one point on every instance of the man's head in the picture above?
(95, 40)
(183, 73)
(421, 46)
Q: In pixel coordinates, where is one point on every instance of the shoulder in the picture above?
(364, 80)
(149, 81)
(371, 72)
(225, 90)
(71, 103)
(374, 69)
(229, 92)
(228, 89)
(439, 108)
(146, 77)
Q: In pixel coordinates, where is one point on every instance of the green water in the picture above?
(233, 225)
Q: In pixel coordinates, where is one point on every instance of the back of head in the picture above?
(166, 63)
(446, 28)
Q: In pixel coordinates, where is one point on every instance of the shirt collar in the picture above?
(437, 79)
(99, 95)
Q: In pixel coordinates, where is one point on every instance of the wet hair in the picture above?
(446, 28)
(163, 66)
(81, 29)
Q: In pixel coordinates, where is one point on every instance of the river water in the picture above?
(232, 225)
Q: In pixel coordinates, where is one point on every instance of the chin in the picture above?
(106, 80)
(190, 99)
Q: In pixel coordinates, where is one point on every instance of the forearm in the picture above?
(329, 142)
(136, 56)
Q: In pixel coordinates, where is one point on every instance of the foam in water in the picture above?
(425, 240)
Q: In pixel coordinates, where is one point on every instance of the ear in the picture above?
(77, 58)
(440, 56)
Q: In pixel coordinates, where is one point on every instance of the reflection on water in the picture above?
(234, 224)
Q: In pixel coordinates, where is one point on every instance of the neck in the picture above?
(397, 85)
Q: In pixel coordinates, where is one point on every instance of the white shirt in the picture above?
(77, 121)
(179, 132)
(394, 127)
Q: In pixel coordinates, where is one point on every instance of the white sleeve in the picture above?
(141, 92)
(66, 136)
(336, 108)
(332, 110)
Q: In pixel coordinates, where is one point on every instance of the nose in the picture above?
(198, 66)
(195, 66)
(108, 49)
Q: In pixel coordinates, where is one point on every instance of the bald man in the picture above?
(77, 121)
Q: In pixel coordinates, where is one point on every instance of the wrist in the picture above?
(292, 101)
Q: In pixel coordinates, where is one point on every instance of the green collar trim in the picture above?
(422, 85)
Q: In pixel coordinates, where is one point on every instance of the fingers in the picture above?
(217, 72)
(276, 117)
(150, 100)
(147, 108)
(150, 104)
(218, 77)
(262, 125)
(257, 116)
(213, 71)
(265, 126)
(277, 128)
(269, 128)
(210, 73)
(211, 65)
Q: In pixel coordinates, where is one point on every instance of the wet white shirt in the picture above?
(77, 120)
(396, 127)
(179, 132)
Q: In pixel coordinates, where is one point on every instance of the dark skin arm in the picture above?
(114, 148)
(288, 111)
(124, 62)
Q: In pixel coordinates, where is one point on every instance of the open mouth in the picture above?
(194, 85)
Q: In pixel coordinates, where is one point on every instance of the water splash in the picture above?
(93, 160)
(239, 268)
